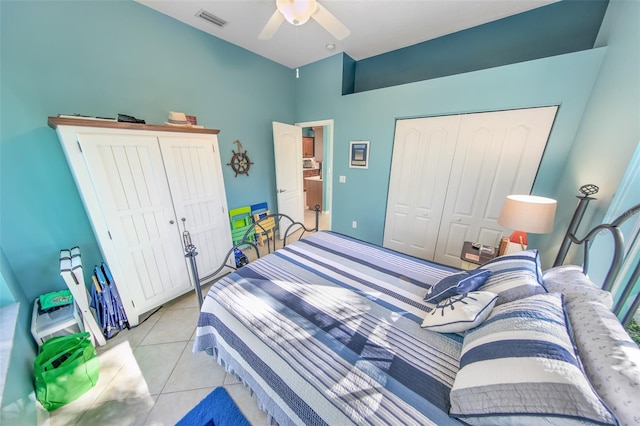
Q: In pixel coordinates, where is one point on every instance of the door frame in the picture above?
(327, 166)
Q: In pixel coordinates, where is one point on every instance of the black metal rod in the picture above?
(636, 303)
(194, 270)
(571, 230)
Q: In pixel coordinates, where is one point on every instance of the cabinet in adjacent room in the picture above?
(308, 173)
(307, 147)
(142, 187)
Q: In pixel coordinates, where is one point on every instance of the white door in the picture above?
(497, 154)
(422, 154)
(287, 147)
(451, 174)
(128, 175)
(194, 172)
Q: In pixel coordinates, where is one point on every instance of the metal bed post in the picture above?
(627, 291)
(191, 253)
(586, 190)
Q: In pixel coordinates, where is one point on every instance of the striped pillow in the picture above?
(514, 276)
(521, 362)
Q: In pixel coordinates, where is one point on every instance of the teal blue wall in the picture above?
(564, 80)
(569, 26)
(103, 58)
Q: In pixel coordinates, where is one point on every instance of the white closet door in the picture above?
(497, 154)
(422, 154)
(195, 178)
(128, 175)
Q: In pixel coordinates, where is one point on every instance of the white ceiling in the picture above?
(377, 26)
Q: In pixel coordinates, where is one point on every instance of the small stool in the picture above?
(62, 321)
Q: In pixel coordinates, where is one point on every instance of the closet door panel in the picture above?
(127, 173)
(497, 154)
(422, 151)
(194, 173)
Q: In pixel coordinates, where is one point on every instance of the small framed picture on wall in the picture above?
(359, 154)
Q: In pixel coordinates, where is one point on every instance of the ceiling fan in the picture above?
(298, 12)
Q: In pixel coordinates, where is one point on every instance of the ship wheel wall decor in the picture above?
(240, 162)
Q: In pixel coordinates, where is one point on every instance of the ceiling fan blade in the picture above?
(272, 26)
(330, 23)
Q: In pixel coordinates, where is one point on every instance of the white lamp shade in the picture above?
(297, 12)
(528, 213)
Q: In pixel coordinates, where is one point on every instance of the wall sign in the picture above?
(359, 154)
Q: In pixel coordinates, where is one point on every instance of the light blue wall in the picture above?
(564, 80)
(103, 58)
(18, 387)
(610, 128)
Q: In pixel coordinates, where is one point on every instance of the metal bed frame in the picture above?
(616, 263)
(248, 240)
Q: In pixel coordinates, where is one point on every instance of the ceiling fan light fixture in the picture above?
(297, 12)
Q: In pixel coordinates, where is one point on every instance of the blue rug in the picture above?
(217, 409)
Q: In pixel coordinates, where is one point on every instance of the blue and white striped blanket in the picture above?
(327, 331)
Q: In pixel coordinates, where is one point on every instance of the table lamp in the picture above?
(527, 213)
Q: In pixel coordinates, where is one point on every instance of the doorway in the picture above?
(322, 133)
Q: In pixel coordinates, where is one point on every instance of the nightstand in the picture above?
(473, 257)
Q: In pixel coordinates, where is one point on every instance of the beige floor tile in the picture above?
(69, 414)
(131, 411)
(128, 381)
(136, 334)
(119, 375)
(241, 395)
(175, 325)
(187, 300)
(195, 371)
(171, 407)
(231, 379)
(157, 363)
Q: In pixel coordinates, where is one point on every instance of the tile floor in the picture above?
(150, 376)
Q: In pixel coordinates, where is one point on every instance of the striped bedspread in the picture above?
(327, 332)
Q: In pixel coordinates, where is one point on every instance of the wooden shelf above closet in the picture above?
(54, 122)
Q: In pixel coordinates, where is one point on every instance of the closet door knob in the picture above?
(171, 222)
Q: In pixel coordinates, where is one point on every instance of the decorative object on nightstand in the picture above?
(475, 254)
(526, 213)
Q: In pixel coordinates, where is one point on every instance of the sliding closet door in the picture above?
(497, 154)
(422, 154)
(128, 174)
(451, 174)
(195, 178)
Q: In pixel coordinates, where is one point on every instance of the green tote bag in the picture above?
(65, 368)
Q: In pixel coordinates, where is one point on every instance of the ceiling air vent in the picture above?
(211, 18)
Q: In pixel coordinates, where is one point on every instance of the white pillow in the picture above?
(570, 281)
(460, 313)
(609, 357)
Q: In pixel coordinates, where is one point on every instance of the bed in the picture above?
(330, 330)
